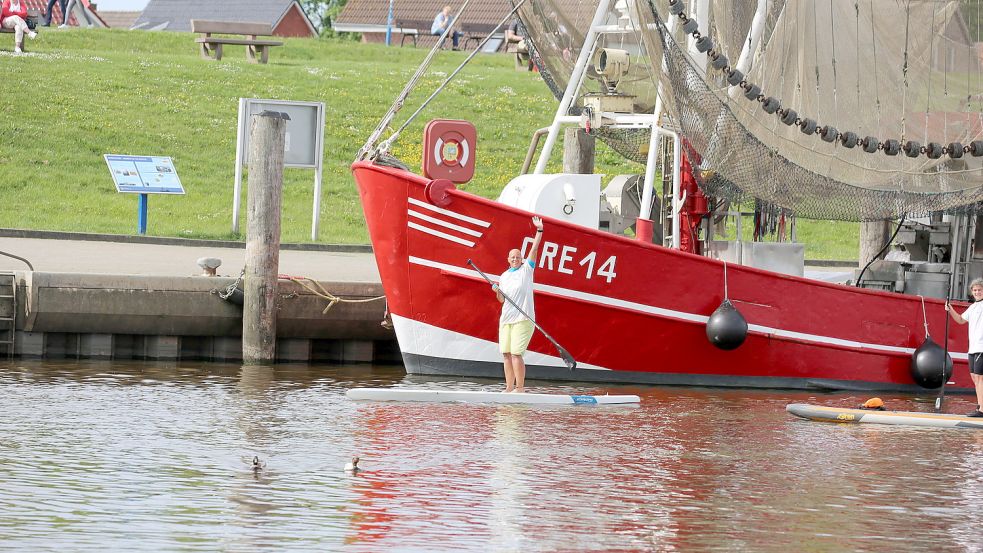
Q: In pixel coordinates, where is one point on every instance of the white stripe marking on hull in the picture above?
(680, 315)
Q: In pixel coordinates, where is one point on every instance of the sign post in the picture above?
(303, 146)
(143, 175)
(142, 214)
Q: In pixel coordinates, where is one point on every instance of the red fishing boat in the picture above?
(668, 308)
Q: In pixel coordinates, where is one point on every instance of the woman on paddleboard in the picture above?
(974, 316)
(514, 328)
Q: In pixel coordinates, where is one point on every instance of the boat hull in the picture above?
(627, 311)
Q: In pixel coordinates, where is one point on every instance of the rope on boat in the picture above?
(924, 314)
(385, 145)
(725, 281)
(368, 150)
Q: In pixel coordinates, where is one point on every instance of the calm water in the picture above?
(132, 456)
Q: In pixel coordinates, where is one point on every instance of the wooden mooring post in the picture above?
(578, 151)
(265, 194)
(873, 237)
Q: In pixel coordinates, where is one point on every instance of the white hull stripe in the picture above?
(680, 315)
(442, 223)
(428, 340)
(439, 234)
(449, 213)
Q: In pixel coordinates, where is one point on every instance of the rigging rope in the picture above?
(877, 255)
(369, 148)
(809, 126)
(389, 141)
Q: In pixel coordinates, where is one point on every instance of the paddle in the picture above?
(567, 358)
(945, 349)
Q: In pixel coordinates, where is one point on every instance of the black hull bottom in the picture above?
(436, 366)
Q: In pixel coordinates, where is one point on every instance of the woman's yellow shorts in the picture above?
(514, 338)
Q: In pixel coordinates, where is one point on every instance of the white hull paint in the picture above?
(427, 340)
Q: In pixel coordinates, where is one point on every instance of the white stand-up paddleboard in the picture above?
(444, 396)
(843, 414)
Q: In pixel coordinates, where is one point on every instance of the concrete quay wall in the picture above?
(107, 316)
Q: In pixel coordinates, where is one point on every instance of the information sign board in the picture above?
(144, 174)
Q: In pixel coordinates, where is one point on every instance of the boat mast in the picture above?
(751, 44)
(576, 77)
(651, 121)
(649, 182)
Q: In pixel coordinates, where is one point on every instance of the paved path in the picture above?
(126, 258)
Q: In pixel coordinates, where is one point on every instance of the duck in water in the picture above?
(258, 465)
(352, 467)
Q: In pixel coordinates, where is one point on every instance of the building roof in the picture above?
(371, 15)
(119, 20)
(176, 15)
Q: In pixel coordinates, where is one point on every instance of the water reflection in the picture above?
(145, 456)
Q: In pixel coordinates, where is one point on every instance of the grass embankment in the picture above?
(84, 93)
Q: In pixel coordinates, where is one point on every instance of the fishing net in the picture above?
(905, 71)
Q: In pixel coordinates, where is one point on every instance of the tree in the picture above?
(322, 13)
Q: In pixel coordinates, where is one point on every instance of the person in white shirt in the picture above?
(440, 24)
(974, 316)
(514, 328)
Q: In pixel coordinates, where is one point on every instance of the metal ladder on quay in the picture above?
(8, 312)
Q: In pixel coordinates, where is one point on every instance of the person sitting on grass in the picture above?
(442, 22)
(13, 15)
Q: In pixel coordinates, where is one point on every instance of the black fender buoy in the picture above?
(236, 297)
(726, 328)
(927, 363)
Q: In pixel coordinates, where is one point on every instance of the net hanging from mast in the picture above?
(896, 71)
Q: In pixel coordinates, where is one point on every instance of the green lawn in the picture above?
(80, 94)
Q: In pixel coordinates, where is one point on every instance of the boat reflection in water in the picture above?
(150, 457)
(687, 470)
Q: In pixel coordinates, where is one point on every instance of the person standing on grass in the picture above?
(974, 316)
(49, 14)
(515, 329)
(71, 6)
(13, 15)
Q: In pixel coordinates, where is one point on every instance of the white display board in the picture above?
(303, 146)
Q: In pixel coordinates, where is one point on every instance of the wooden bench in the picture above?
(211, 46)
(523, 61)
(411, 29)
(474, 32)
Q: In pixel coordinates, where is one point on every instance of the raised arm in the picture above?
(537, 238)
(955, 316)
